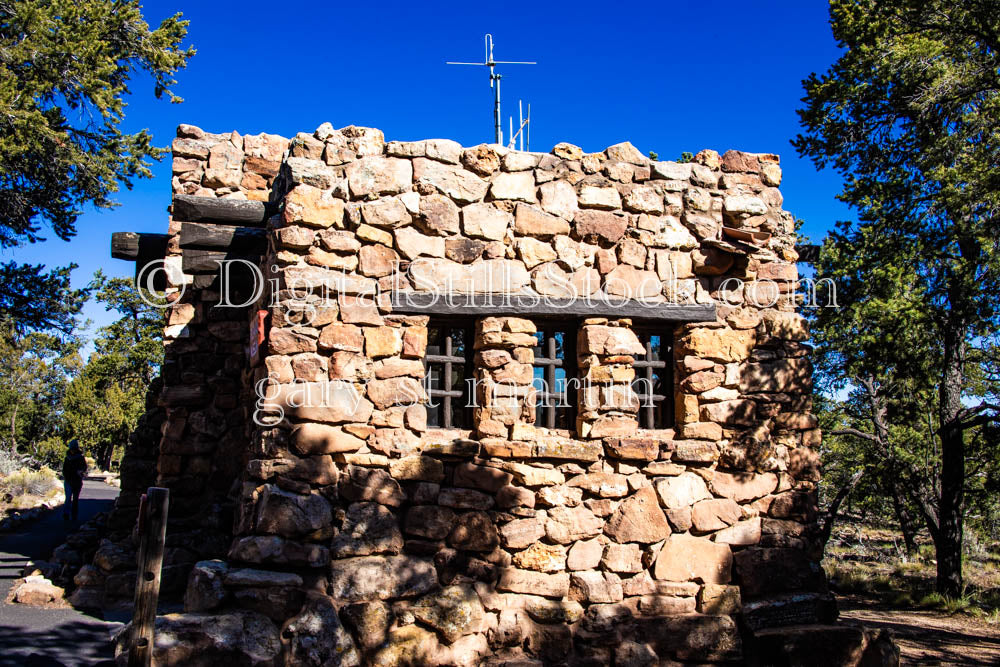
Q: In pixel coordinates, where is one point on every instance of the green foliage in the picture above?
(48, 395)
(685, 157)
(33, 299)
(65, 68)
(34, 371)
(50, 451)
(654, 156)
(909, 115)
(64, 76)
(105, 400)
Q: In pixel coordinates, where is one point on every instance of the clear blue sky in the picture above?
(669, 77)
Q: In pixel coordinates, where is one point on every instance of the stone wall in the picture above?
(193, 438)
(205, 437)
(360, 535)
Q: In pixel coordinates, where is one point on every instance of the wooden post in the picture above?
(152, 532)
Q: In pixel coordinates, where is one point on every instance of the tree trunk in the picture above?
(831, 516)
(948, 541)
(13, 430)
(907, 522)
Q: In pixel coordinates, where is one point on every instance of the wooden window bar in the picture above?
(447, 392)
(550, 402)
(655, 410)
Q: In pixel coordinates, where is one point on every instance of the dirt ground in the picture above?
(928, 637)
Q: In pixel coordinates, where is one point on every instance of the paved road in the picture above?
(35, 636)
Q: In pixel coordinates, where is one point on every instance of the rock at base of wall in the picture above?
(316, 637)
(790, 609)
(826, 646)
(692, 637)
(209, 640)
(38, 591)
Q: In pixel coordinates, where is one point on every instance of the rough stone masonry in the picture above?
(316, 516)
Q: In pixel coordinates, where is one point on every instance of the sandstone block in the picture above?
(645, 449)
(594, 196)
(517, 185)
(595, 587)
(542, 558)
(381, 577)
(485, 221)
(686, 558)
(632, 283)
(379, 176)
(290, 514)
(605, 485)
(533, 583)
(465, 499)
(741, 533)
(739, 411)
(532, 221)
(714, 514)
(421, 468)
(439, 215)
(481, 159)
(585, 555)
(534, 252)
(454, 611)
(370, 621)
(485, 478)
(312, 438)
(666, 605)
(601, 225)
(520, 533)
(724, 345)
(338, 336)
(559, 198)
(429, 521)
(371, 484)
(622, 558)
(369, 528)
(570, 524)
(638, 519)
(743, 487)
(274, 550)
(461, 185)
(396, 391)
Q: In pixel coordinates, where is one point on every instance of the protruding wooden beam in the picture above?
(189, 208)
(226, 237)
(130, 245)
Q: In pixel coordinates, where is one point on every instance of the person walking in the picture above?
(74, 470)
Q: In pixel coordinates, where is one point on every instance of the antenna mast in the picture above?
(495, 83)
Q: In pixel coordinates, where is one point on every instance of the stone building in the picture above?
(479, 406)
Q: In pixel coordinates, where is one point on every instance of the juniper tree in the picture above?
(910, 116)
(65, 68)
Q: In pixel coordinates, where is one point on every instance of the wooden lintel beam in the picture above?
(190, 208)
(207, 261)
(527, 305)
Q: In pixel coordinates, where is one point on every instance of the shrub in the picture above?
(25, 482)
(9, 462)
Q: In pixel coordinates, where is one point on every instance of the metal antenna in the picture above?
(523, 134)
(494, 79)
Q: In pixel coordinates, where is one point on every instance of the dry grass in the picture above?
(872, 562)
(26, 488)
